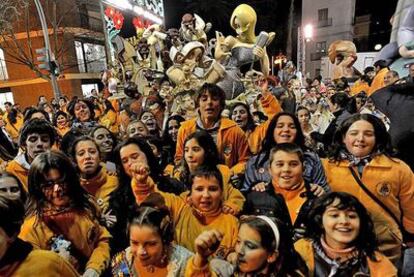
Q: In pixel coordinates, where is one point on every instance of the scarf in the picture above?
(92, 185)
(59, 221)
(359, 162)
(338, 254)
(21, 160)
(14, 256)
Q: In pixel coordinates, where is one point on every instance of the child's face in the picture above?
(206, 194)
(286, 169)
(341, 226)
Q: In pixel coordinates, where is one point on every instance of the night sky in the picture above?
(272, 16)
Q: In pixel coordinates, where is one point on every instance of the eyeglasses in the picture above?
(52, 183)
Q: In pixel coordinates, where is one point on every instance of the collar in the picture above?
(21, 160)
(94, 183)
(380, 160)
(200, 125)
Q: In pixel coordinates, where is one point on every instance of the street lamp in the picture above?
(307, 36)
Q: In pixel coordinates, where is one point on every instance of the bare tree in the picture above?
(19, 25)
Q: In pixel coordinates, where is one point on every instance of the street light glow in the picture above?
(308, 31)
(378, 47)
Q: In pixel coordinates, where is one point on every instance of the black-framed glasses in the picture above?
(50, 184)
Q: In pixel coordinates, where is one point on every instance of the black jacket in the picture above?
(273, 204)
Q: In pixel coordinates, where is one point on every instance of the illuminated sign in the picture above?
(154, 6)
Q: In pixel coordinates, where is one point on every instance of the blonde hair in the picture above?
(246, 15)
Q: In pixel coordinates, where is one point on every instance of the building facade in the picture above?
(331, 20)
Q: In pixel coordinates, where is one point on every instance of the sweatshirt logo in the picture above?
(384, 189)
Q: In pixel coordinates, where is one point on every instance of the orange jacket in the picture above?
(110, 121)
(232, 143)
(359, 86)
(392, 182)
(14, 129)
(378, 81)
(20, 172)
(380, 268)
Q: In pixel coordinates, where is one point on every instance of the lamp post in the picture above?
(307, 36)
(48, 51)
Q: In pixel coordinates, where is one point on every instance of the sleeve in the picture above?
(100, 257)
(174, 204)
(233, 198)
(318, 173)
(270, 105)
(179, 149)
(242, 148)
(27, 233)
(192, 271)
(406, 198)
(249, 175)
(257, 136)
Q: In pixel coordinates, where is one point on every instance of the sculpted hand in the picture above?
(259, 52)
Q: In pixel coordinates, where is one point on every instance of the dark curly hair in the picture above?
(365, 241)
(73, 102)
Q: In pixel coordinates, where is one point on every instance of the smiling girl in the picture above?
(341, 240)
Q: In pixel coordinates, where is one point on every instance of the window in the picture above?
(87, 88)
(322, 14)
(91, 57)
(3, 68)
(321, 47)
(6, 96)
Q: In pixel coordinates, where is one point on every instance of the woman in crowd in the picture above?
(49, 110)
(304, 117)
(283, 128)
(170, 135)
(152, 250)
(362, 165)
(137, 128)
(240, 113)
(263, 248)
(150, 122)
(62, 216)
(340, 240)
(94, 177)
(288, 196)
(109, 118)
(106, 142)
(201, 151)
(83, 115)
(11, 187)
(122, 202)
(61, 123)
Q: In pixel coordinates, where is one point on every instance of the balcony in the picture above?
(325, 22)
(317, 56)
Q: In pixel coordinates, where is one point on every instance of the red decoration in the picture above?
(137, 22)
(118, 20)
(110, 12)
